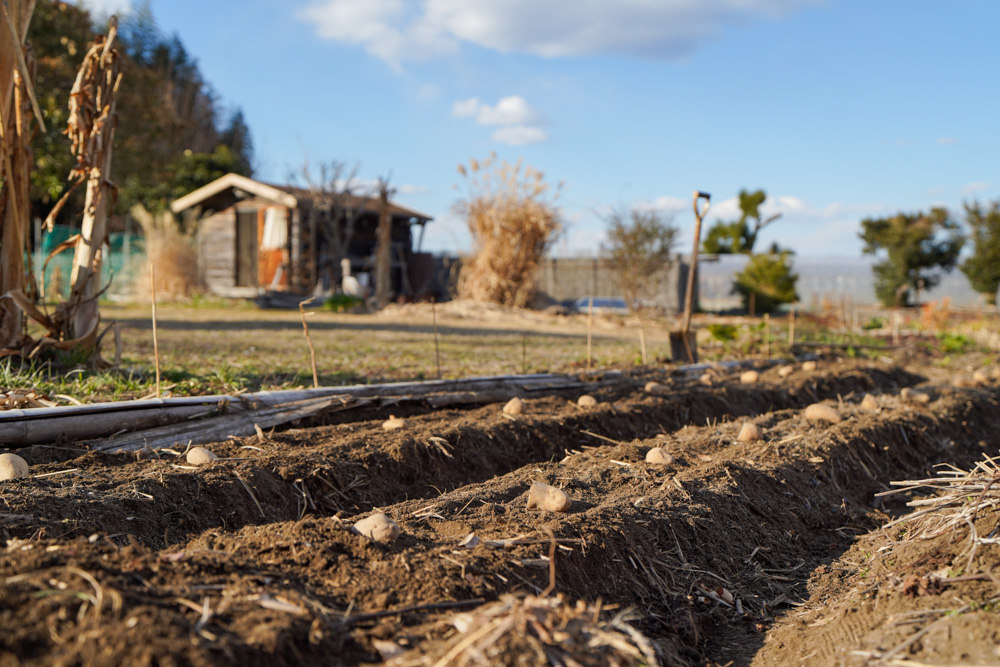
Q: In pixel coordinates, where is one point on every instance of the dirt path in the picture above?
(252, 560)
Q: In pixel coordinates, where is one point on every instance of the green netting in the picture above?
(123, 259)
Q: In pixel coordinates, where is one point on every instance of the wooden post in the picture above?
(312, 350)
(791, 328)
(753, 303)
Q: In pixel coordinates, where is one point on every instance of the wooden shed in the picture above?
(254, 237)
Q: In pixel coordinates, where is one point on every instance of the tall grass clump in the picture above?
(172, 252)
(513, 220)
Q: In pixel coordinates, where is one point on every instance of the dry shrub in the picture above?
(172, 253)
(935, 316)
(513, 221)
(542, 631)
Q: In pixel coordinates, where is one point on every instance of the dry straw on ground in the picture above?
(542, 630)
(962, 495)
(513, 221)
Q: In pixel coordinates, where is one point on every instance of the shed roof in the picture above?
(284, 195)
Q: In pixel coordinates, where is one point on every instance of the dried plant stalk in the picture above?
(17, 110)
(91, 130)
(513, 222)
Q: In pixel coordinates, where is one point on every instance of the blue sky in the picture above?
(839, 109)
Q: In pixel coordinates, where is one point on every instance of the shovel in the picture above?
(684, 343)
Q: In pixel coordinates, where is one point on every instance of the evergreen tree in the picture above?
(770, 279)
(982, 268)
(739, 237)
(914, 249)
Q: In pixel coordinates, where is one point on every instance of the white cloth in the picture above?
(275, 235)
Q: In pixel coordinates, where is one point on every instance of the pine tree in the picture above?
(982, 268)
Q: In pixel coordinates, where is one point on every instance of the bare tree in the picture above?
(640, 242)
(335, 191)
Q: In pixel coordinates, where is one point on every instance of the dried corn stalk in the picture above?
(91, 131)
(17, 109)
(513, 221)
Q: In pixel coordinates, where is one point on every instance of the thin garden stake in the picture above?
(156, 345)
(437, 346)
(590, 323)
(767, 336)
(791, 328)
(524, 354)
(312, 350)
(642, 339)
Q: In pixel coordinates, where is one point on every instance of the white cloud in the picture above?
(101, 8)
(510, 110)
(410, 189)
(519, 121)
(661, 29)
(520, 135)
(975, 188)
(947, 141)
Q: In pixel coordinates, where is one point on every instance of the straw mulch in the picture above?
(513, 221)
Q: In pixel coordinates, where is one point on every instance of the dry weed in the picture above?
(513, 221)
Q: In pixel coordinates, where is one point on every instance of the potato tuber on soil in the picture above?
(586, 401)
(750, 433)
(914, 396)
(657, 388)
(379, 527)
(659, 455)
(980, 376)
(548, 498)
(869, 402)
(513, 407)
(820, 412)
(199, 456)
(393, 423)
(706, 379)
(785, 371)
(808, 365)
(749, 377)
(12, 466)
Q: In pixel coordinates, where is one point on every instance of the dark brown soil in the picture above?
(118, 561)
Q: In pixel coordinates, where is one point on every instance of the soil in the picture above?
(767, 552)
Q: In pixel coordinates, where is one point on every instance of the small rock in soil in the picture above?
(750, 433)
(199, 456)
(820, 412)
(513, 407)
(379, 527)
(659, 455)
(549, 498)
(12, 466)
(393, 423)
(586, 401)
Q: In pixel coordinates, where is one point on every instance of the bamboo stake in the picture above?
(156, 344)
(312, 350)
(767, 336)
(642, 339)
(590, 326)
(791, 328)
(437, 345)
(524, 354)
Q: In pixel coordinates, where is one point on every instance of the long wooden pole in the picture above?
(156, 344)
